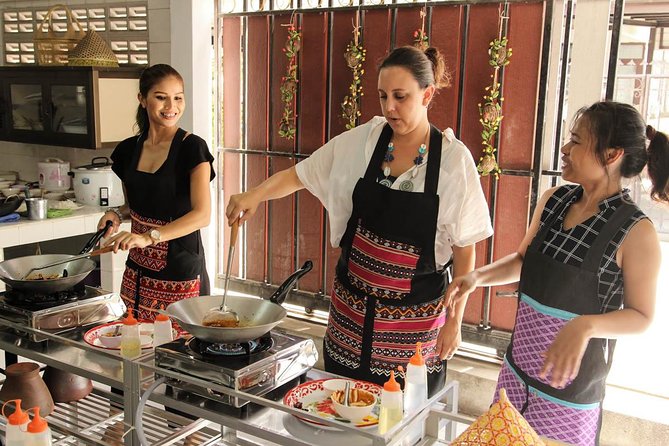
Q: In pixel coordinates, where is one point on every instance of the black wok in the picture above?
(256, 316)
(13, 271)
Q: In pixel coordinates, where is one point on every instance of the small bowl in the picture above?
(332, 385)
(353, 411)
(146, 328)
(7, 191)
(109, 338)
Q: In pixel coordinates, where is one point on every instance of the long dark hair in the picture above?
(427, 67)
(150, 77)
(620, 126)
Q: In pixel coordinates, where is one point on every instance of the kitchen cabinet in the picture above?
(81, 107)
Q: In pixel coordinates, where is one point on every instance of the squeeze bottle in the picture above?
(130, 341)
(415, 392)
(391, 405)
(39, 433)
(17, 423)
(162, 330)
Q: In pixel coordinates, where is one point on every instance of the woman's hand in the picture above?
(242, 206)
(460, 288)
(116, 223)
(125, 240)
(563, 358)
(449, 338)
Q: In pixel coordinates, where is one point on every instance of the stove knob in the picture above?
(67, 320)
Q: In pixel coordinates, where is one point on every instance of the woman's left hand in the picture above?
(449, 338)
(563, 358)
(125, 240)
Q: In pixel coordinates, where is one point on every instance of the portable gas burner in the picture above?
(256, 367)
(61, 311)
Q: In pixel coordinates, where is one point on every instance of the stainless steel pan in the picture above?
(256, 316)
(13, 271)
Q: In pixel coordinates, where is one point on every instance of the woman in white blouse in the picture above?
(403, 200)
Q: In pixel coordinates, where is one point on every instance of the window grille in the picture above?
(123, 26)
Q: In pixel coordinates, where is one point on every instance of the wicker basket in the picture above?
(92, 51)
(52, 46)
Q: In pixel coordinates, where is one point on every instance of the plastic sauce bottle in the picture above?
(17, 424)
(391, 405)
(39, 433)
(415, 392)
(162, 330)
(131, 345)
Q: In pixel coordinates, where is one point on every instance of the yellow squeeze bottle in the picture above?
(392, 409)
(130, 341)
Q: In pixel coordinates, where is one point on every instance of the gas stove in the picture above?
(60, 312)
(257, 367)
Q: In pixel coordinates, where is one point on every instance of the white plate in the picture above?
(312, 396)
(146, 338)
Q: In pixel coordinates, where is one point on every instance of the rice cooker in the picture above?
(53, 174)
(96, 184)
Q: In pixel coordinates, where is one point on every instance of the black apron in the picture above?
(169, 271)
(388, 292)
(551, 294)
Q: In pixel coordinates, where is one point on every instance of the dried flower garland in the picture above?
(491, 109)
(355, 56)
(420, 37)
(289, 83)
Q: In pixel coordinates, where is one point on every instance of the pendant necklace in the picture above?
(406, 185)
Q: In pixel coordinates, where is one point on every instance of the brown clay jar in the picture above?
(65, 386)
(23, 382)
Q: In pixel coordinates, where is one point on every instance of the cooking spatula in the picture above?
(97, 252)
(224, 316)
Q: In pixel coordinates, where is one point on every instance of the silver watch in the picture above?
(155, 235)
(116, 211)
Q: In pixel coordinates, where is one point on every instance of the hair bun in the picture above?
(650, 132)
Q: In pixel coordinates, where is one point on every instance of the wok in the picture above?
(13, 271)
(256, 316)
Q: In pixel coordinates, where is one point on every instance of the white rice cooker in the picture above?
(53, 174)
(96, 184)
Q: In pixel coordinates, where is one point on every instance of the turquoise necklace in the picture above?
(406, 185)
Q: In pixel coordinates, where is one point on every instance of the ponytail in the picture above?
(658, 164)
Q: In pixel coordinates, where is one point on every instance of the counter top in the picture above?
(81, 221)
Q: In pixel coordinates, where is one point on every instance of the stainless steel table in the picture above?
(103, 417)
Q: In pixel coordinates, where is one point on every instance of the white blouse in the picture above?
(332, 172)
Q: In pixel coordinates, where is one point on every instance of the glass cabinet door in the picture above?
(26, 107)
(69, 109)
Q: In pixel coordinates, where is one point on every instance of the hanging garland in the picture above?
(355, 56)
(420, 37)
(289, 83)
(491, 109)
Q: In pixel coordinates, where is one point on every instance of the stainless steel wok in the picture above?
(13, 271)
(256, 316)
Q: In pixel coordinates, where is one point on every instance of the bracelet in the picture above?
(116, 211)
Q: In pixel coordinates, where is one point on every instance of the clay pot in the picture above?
(65, 386)
(23, 382)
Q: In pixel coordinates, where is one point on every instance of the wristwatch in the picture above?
(155, 235)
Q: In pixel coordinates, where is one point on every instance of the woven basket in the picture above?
(51, 46)
(92, 51)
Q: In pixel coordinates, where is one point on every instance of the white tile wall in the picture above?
(23, 158)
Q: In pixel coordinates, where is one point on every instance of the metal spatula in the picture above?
(97, 252)
(224, 316)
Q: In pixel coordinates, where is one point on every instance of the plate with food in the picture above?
(108, 336)
(324, 400)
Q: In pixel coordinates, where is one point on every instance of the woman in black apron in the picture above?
(165, 173)
(403, 199)
(583, 242)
